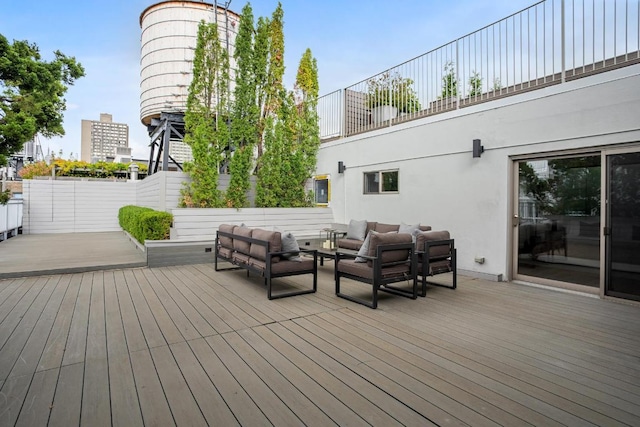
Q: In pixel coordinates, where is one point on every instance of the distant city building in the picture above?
(100, 140)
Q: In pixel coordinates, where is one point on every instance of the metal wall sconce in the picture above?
(478, 149)
(341, 167)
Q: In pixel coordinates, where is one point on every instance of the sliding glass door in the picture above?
(557, 225)
(622, 232)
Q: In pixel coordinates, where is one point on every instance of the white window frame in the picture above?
(380, 181)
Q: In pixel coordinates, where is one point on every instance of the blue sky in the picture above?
(351, 40)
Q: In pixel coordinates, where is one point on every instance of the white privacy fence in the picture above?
(10, 218)
(547, 43)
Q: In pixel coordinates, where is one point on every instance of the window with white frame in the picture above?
(381, 182)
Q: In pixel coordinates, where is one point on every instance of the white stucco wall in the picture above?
(442, 185)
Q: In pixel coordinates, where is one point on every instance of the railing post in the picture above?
(391, 101)
(458, 85)
(343, 125)
(562, 42)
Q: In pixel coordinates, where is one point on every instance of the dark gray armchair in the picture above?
(390, 260)
(436, 254)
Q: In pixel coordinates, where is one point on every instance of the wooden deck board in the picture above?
(606, 399)
(343, 386)
(96, 405)
(153, 402)
(198, 283)
(192, 346)
(125, 408)
(183, 406)
(288, 382)
(67, 401)
(33, 348)
(211, 403)
(37, 404)
(268, 402)
(74, 351)
(235, 396)
(15, 343)
(54, 349)
(526, 335)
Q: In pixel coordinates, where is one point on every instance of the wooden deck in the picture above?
(190, 346)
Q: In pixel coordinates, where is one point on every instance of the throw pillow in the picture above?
(357, 229)
(364, 249)
(290, 244)
(410, 229)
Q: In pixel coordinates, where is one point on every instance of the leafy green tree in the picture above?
(291, 143)
(206, 130)
(269, 51)
(245, 113)
(308, 135)
(31, 93)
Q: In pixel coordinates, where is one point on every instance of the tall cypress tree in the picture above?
(308, 137)
(270, 55)
(206, 131)
(245, 113)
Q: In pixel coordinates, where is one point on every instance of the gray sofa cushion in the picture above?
(290, 244)
(357, 229)
(386, 228)
(410, 229)
(364, 249)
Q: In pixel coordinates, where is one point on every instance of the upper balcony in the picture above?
(548, 43)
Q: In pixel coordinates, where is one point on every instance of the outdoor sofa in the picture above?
(262, 252)
(358, 230)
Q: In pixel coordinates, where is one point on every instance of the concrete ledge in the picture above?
(71, 270)
(162, 253)
(478, 275)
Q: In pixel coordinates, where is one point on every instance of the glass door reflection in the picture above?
(558, 231)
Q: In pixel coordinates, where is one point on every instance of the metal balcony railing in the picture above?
(547, 43)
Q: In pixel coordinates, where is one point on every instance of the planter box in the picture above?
(383, 113)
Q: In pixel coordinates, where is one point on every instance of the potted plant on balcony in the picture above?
(390, 94)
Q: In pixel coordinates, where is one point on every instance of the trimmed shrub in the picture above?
(145, 223)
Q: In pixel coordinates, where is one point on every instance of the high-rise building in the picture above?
(100, 139)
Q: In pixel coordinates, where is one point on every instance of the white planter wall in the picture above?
(65, 206)
(202, 224)
(442, 185)
(161, 191)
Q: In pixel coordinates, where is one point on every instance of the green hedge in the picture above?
(145, 223)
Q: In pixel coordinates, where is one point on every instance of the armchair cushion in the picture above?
(378, 239)
(363, 270)
(386, 228)
(435, 251)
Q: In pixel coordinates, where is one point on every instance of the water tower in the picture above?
(168, 42)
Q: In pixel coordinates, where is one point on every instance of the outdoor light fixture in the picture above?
(478, 149)
(341, 167)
